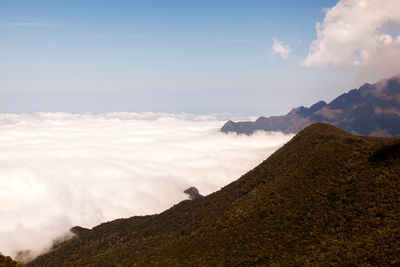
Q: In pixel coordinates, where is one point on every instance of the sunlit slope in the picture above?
(326, 197)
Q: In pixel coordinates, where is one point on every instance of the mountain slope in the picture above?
(326, 197)
(6, 261)
(373, 109)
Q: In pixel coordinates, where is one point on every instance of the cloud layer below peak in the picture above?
(58, 170)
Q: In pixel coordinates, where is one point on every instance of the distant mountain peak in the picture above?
(372, 109)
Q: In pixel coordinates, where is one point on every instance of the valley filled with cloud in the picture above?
(58, 170)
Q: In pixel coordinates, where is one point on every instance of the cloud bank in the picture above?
(58, 170)
(359, 33)
(279, 48)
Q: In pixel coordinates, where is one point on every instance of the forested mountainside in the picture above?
(327, 197)
(6, 261)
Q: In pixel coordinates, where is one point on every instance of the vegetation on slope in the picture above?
(325, 198)
(6, 261)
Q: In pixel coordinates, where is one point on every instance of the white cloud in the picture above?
(31, 24)
(279, 48)
(106, 36)
(58, 170)
(236, 41)
(359, 33)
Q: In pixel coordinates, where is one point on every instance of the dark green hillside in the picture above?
(325, 198)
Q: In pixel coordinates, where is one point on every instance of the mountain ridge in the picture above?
(326, 197)
(372, 109)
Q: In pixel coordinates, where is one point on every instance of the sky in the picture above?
(243, 57)
(110, 108)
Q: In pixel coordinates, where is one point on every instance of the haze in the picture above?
(242, 57)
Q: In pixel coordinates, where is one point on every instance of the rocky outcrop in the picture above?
(193, 193)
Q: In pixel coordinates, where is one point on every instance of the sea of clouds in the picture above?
(58, 170)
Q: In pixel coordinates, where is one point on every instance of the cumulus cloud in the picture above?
(58, 170)
(359, 33)
(279, 48)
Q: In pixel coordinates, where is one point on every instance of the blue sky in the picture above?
(170, 56)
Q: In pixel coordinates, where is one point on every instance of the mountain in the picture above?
(327, 197)
(373, 109)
